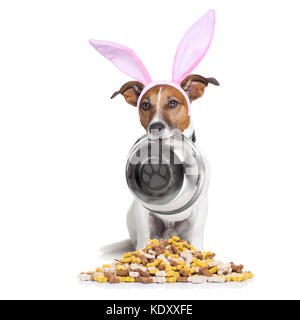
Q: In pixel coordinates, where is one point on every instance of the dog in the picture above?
(164, 108)
(164, 111)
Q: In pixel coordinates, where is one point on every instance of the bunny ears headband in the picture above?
(191, 50)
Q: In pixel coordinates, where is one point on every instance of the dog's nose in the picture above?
(157, 126)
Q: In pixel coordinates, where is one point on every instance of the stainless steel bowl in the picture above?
(165, 175)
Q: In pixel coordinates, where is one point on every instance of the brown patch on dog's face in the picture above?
(178, 118)
(164, 104)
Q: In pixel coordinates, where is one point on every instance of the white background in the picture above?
(64, 143)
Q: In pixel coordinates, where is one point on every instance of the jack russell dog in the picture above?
(164, 108)
(163, 111)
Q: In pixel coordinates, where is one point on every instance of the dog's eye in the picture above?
(172, 104)
(145, 106)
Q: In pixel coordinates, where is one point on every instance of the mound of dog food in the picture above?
(162, 261)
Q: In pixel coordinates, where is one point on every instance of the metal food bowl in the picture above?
(165, 175)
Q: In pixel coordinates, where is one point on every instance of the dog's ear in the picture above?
(194, 85)
(131, 91)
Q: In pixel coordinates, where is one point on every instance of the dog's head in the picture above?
(163, 109)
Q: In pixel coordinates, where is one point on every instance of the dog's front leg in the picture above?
(142, 225)
(200, 214)
(138, 225)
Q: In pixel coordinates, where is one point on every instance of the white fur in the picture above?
(139, 221)
(167, 132)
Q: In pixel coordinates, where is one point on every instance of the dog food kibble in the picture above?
(167, 261)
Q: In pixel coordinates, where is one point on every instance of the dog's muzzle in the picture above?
(165, 175)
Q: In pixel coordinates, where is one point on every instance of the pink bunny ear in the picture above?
(124, 59)
(193, 46)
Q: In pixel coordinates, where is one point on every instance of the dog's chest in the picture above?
(165, 228)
